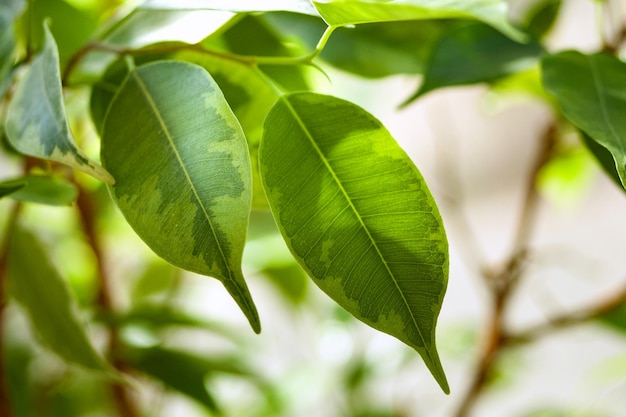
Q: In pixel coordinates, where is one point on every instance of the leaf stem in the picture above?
(87, 210)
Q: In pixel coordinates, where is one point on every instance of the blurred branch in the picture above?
(503, 281)
(5, 405)
(87, 210)
(566, 320)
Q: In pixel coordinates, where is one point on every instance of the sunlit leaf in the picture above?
(474, 53)
(36, 122)
(358, 216)
(37, 286)
(590, 90)
(247, 93)
(298, 6)
(183, 175)
(345, 12)
(44, 190)
(371, 50)
(8, 187)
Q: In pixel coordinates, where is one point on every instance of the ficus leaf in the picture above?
(342, 12)
(590, 90)
(44, 190)
(183, 173)
(38, 287)
(7, 46)
(36, 122)
(299, 6)
(358, 216)
(474, 53)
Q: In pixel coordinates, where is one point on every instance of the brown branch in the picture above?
(502, 282)
(566, 320)
(123, 399)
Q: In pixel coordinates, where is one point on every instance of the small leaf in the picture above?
(298, 6)
(590, 90)
(36, 123)
(8, 187)
(183, 175)
(341, 12)
(475, 53)
(358, 216)
(37, 286)
(46, 190)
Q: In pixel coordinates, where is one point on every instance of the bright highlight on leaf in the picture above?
(298, 6)
(358, 216)
(37, 286)
(36, 121)
(183, 176)
(590, 90)
(346, 12)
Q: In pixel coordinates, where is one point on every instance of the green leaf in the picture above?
(358, 216)
(346, 12)
(372, 50)
(603, 157)
(8, 187)
(44, 190)
(298, 6)
(177, 370)
(7, 47)
(183, 176)
(37, 286)
(590, 90)
(475, 53)
(36, 122)
(539, 16)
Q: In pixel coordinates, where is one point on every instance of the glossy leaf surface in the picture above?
(38, 287)
(44, 190)
(342, 12)
(299, 6)
(590, 90)
(357, 214)
(36, 122)
(475, 53)
(183, 175)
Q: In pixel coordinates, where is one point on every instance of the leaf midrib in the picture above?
(356, 213)
(170, 140)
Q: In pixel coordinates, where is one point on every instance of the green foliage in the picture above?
(215, 139)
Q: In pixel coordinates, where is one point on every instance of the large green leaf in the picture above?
(37, 286)
(43, 190)
(299, 6)
(36, 122)
(183, 172)
(591, 92)
(8, 187)
(345, 12)
(370, 50)
(357, 214)
(475, 53)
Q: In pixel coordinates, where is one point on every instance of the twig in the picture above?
(502, 282)
(5, 404)
(566, 320)
(123, 398)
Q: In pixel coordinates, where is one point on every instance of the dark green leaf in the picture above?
(590, 90)
(7, 47)
(358, 216)
(540, 17)
(475, 53)
(341, 12)
(37, 286)
(603, 156)
(36, 123)
(44, 190)
(8, 187)
(370, 50)
(183, 176)
(299, 6)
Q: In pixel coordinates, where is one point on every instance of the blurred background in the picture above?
(475, 146)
